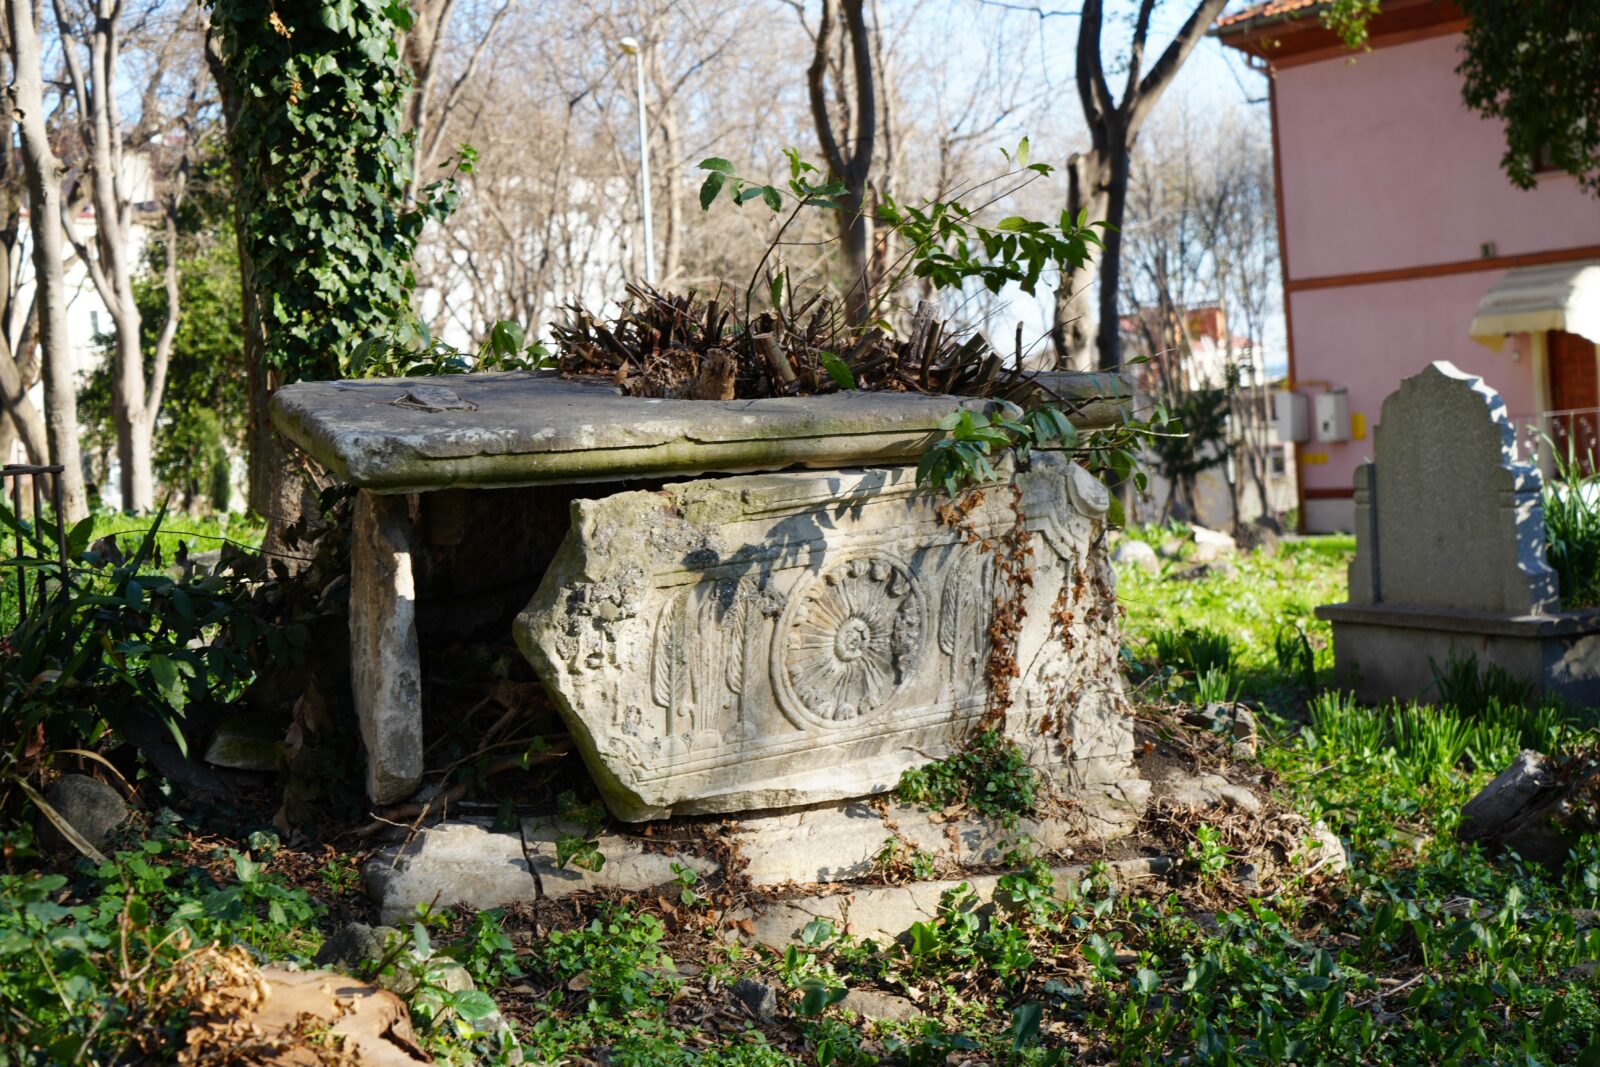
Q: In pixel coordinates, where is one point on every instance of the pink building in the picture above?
(1403, 241)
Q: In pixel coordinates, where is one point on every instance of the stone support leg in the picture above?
(385, 669)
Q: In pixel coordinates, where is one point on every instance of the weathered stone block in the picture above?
(385, 675)
(775, 640)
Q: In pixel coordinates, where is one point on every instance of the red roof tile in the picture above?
(1270, 9)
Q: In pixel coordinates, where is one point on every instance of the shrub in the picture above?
(1571, 503)
(113, 636)
(102, 969)
(991, 776)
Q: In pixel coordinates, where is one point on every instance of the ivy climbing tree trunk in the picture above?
(25, 96)
(314, 101)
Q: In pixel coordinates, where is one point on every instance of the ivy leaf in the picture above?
(473, 1004)
(838, 370)
(819, 996)
(1025, 1024)
(710, 188)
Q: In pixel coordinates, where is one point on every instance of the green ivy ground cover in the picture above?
(1427, 952)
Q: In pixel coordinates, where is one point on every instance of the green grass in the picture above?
(202, 533)
(1270, 598)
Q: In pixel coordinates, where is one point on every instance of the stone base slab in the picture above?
(465, 861)
(1383, 651)
(883, 913)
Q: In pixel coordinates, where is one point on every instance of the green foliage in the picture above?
(580, 849)
(945, 242)
(205, 406)
(976, 441)
(1196, 434)
(1208, 854)
(83, 960)
(120, 636)
(1194, 650)
(1248, 606)
(990, 775)
(1215, 686)
(1296, 659)
(452, 1020)
(1571, 504)
(614, 964)
(410, 351)
(321, 167)
(1534, 66)
(1461, 685)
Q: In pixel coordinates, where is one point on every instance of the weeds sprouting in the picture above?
(1462, 685)
(1192, 650)
(991, 776)
(1571, 502)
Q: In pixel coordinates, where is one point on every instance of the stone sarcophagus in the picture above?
(751, 640)
(773, 640)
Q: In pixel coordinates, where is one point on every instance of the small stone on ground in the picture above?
(89, 806)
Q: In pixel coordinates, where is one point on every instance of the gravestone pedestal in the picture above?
(1450, 554)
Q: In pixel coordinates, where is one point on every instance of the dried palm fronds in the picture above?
(680, 346)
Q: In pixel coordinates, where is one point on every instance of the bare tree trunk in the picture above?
(43, 169)
(1101, 178)
(136, 399)
(848, 150)
(1073, 330)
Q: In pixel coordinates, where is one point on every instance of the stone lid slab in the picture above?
(404, 435)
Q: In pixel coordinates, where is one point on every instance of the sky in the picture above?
(1213, 77)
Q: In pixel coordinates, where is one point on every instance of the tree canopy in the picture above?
(1537, 67)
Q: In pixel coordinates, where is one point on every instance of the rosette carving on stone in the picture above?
(850, 641)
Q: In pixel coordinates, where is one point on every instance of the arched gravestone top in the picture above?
(1447, 516)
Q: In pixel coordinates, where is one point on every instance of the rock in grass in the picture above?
(89, 806)
(1326, 852)
(1231, 720)
(1137, 554)
(1257, 537)
(1195, 571)
(1529, 808)
(760, 998)
(1205, 790)
(1530, 778)
(353, 945)
(1211, 544)
(870, 1004)
(247, 742)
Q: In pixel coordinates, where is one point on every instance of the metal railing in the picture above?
(31, 535)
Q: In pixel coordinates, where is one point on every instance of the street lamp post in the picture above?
(630, 46)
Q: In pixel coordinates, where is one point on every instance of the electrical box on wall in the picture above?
(1333, 416)
(1289, 417)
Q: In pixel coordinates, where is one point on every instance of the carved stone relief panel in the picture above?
(772, 640)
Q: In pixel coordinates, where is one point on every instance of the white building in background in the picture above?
(592, 250)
